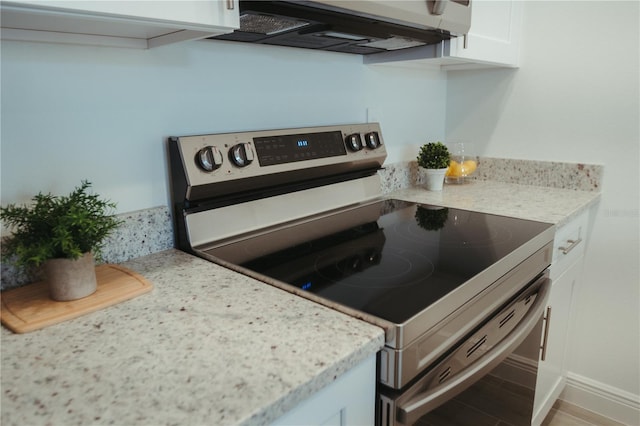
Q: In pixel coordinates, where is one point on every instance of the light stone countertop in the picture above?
(543, 204)
(206, 346)
(210, 346)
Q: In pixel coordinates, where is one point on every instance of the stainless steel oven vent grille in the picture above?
(268, 24)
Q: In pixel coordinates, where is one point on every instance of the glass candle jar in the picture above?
(462, 164)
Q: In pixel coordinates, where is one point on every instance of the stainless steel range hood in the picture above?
(359, 27)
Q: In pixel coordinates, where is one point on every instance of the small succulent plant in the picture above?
(433, 155)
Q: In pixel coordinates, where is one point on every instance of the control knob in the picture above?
(354, 143)
(209, 158)
(372, 140)
(241, 154)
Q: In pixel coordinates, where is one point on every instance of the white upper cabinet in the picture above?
(493, 41)
(135, 24)
(494, 37)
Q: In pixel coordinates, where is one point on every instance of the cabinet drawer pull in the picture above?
(230, 5)
(572, 244)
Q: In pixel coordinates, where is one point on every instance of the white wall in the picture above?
(76, 112)
(576, 99)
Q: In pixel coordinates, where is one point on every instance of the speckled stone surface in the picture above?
(550, 205)
(206, 347)
(142, 232)
(398, 176)
(573, 176)
(576, 176)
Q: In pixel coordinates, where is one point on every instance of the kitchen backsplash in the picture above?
(142, 232)
(575, 176)
(151, 230)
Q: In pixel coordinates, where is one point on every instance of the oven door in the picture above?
(438, 396)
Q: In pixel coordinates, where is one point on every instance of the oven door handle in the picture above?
(407, 413)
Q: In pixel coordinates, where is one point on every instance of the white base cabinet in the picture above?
(493, 41)
(552, 370)
(133, 24)
(566, 271)
(350, 400)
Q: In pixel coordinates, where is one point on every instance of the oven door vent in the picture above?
(476, 346)
(506, 319)
(444, 375)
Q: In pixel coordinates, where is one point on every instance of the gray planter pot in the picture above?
(71, 279)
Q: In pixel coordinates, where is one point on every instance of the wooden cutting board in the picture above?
(29, 308)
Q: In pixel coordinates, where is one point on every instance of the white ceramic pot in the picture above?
(70, 279)
(434, 178)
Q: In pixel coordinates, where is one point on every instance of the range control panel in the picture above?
(280, 149)
(296, 154)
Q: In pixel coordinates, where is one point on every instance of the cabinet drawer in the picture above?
(569, 244)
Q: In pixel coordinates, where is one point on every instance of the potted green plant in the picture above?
(434, 159)
(62, 234)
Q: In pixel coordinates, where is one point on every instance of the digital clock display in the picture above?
(282, 149)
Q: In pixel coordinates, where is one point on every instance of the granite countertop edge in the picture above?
(357, 351)
(538, 203)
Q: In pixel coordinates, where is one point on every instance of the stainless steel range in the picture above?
(301, 209)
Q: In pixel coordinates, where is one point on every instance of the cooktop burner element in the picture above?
(400, 268)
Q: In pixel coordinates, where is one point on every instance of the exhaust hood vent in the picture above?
(357, 27)
(268, 24)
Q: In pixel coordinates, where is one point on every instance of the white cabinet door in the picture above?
(552, 368)
(494, 37)
(136, 24)
(566, 270)
(493, 41)
(350, 400)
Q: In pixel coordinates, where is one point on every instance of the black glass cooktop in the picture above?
(390, 259)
